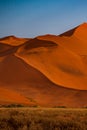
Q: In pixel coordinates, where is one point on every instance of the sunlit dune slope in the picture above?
(81, 32)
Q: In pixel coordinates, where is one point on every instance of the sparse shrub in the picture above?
(11, 105)
(60, 107)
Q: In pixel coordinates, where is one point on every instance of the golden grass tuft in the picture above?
(43, 119)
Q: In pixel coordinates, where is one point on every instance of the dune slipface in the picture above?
(45, 71)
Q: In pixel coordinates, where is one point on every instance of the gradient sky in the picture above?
(29, 18)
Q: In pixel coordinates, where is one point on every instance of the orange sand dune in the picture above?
(8, 96)
(55, 62)
(6, 49)
(77, 42)
(81, 32)
(47, 71)
(18, 78)
(14, 41)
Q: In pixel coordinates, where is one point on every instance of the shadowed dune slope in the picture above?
(35, 43)
(14, 71)
(4, 47)
(69, 33)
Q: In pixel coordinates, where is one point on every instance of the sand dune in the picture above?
(7, 49)
(12, 40)
(47, 71)
(18, 78)
(56, 62)
(8, 96)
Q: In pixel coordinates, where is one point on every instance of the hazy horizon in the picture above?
(29, 18)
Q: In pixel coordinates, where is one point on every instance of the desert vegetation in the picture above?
(43, 119)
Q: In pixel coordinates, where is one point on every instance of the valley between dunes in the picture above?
(46, 71)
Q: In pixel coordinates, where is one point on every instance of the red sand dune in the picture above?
(47, 71)
(13, 41)
(8, 96)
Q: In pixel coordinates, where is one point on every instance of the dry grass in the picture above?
(43, 119)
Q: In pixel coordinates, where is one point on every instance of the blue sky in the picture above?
(29, 18)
